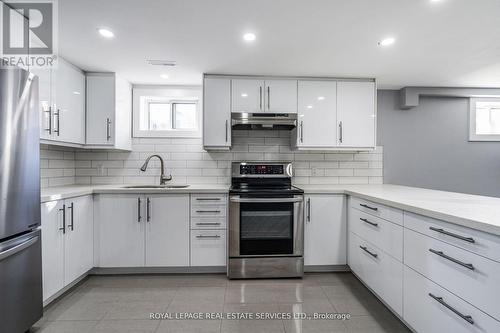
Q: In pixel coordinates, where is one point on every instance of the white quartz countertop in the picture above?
(473, 211)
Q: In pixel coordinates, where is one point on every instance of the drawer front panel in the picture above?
(208, 199)
(208, 247)
(475, 241)
(208, 223)
(387, 213)
(467, 275)
(207, 211)
(382, 273)
(447, 313)
(383, 234)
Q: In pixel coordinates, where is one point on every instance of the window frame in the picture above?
(473, 136)
(167, 95)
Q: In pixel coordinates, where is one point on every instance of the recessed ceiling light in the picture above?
(244, 95)
(106, 33)
(76, 93)
(320, 98)
(249, 37)
(164, 76)
(387, 41)
(309, 106)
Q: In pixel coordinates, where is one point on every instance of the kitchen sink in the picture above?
(156, 186)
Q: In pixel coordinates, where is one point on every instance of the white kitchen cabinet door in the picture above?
(78, 249)
(356, 114)
(280, 96)
(52, 248)
(100, 109)
(121, 230)
(167, 230)
(325, 230)
(317, 121)
(217, 113)
(247, 95)
(45, 101)
(69, 114)
(208, 248)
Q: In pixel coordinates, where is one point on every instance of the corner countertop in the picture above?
(472, 211)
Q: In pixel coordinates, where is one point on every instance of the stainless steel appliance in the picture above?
(243, 120)
(266, 223)
(20, 235)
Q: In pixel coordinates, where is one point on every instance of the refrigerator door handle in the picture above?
(18, 248)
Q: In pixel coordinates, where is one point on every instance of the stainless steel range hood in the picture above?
(243, 120)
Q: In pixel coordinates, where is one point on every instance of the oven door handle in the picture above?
(263, 200)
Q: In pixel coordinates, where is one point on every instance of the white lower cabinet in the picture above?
(208, 247)
(137, 230)
(325, 230)
(67, 238)
(429, 308)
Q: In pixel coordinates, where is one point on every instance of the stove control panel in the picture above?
(262, 170)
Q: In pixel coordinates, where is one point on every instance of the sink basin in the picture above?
(156, 186)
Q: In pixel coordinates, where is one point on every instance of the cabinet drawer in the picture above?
(387, 213)
(208, 247)
(379, 271)
(208, 199)
(384, 234)
(467, 275)
(208, 223)
(425, 314)
(471, 240)
(208, 211)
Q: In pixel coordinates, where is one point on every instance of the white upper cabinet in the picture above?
(109, 107)
(217, 113)
(356, 115)
(247, 95)
(317, 115)
(280, 96)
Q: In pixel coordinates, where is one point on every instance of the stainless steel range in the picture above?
(266, 223)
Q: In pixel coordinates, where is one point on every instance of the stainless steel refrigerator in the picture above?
(20, 234)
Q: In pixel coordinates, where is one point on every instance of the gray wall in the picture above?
(428, 146)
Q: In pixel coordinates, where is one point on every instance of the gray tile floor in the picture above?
(124, 304)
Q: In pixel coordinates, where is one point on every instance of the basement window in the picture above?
(484, 123)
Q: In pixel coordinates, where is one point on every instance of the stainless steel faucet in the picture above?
(163, 178)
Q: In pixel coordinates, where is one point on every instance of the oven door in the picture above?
(266, 226)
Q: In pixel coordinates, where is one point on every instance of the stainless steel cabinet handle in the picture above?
(456, 261)
(18, 248)
(63, 210)
(260, 97)
(208, 199)
(108, 129)
(341, 132)
(369, 222)
(262, 200)
(268, 98)
(444, 232)
(308, 209)
(366, 206)
(226, 130)
(148, 209)
(301, 131)
(49, 111)
(208, 223)
(72, 216)
(139, 217)
(58, 114)
(441, 301)
(364, 248)
(208, 211)
(205, 236)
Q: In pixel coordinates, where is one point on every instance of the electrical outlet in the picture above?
(317, 172)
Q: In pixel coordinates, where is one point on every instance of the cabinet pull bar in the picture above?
(364, 248)
(226, 130)
(108, 129)
(366, 206)
(72, 216)
(341, 132)
(58, 114)
(49, 111)
(207, 223)
(444, 232)
(139, 217)
(205, 236)
(369, 222)
(452, 309)
(309, 210)
(148, 209)
(268, 98)
(301, 131)
(63, 210)
(260, 97)
(208, 199)
(456, 261)
(208, 211)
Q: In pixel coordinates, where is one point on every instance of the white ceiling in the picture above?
(440, 43)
